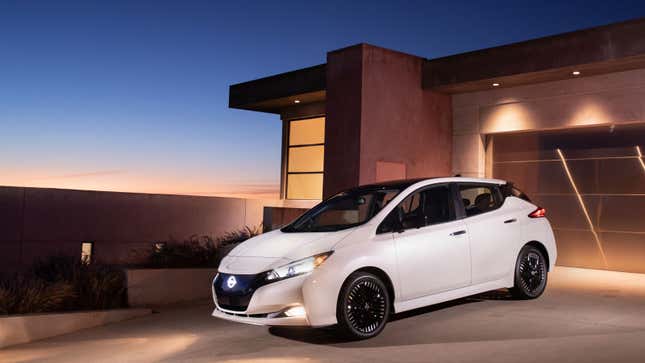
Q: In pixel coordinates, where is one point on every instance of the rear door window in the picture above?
(479, 198)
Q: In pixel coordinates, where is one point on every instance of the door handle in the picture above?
(458, 233)
(510, 220)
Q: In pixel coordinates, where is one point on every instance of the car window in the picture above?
(479, 198)
(342, 211)
(422, 208)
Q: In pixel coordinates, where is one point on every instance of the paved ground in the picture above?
(585, 316)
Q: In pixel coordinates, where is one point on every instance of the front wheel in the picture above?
(363, 306)
(530, 274)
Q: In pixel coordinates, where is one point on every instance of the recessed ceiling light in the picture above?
(296, 101)
(576, 73)
(495, 84)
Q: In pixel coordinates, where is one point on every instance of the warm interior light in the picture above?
(296, 101)
(576, 73)
(495, 84)
(295, 311)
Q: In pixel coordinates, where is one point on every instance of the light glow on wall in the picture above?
(583, 206)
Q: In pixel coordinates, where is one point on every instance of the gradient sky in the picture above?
(132, 95)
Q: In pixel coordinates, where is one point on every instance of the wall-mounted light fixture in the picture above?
(296, 101)
(495, 84)
(576, 73)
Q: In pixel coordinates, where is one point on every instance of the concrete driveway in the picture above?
(585, 316)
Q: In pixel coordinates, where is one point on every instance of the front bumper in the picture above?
(266, 304)
(254, 320)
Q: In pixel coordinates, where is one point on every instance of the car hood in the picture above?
(276, 248)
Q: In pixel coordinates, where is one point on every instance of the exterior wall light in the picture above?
(296, 101)
(495, 84)
(576, 73)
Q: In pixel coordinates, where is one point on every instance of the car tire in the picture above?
(363, 306)
(531, 273)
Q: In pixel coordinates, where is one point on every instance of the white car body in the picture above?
(423, 266)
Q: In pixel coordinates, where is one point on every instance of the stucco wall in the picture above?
(378, 112)
(401, 122)
(614, 98)
(36, 222)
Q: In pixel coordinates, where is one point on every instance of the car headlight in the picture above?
(297, 268)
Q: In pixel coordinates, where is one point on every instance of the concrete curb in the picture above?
(19, 329)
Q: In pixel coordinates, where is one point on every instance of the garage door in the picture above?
(592, 183)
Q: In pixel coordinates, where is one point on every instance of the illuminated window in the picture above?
(305, 158)
(86, 252)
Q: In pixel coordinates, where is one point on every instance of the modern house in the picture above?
(563, 117)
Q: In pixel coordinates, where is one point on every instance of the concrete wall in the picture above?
(377, 112)
(155, 287)
(36, 222)
(401, 122)
(615, 98)
(343, 119)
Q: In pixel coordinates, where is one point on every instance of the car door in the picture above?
(492, 229)
(431, 245)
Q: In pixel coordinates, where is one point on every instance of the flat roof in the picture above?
(603, 49)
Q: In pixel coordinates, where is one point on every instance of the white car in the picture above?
(375, 250)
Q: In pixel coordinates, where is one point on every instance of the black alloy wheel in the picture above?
(363, 306)
(530, 274)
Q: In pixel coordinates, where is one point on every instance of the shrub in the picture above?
(197, 251)
(63, 283)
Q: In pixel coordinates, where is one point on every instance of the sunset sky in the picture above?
(132, 95)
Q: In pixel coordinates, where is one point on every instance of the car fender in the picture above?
(321, 289)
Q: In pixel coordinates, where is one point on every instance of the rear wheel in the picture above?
(363, 306)
(530, 274)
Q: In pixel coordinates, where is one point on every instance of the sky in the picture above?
(133, 95)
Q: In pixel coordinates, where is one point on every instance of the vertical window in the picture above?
(86, 252)
(305, 158)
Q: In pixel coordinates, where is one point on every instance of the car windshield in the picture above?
(344, 210)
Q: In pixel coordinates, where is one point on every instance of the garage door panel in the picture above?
(564, 211)
(603, 225)
(534, 178)
(623, 213)
(625, 251)
(577, 248)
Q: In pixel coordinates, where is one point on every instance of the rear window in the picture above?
(509, 190)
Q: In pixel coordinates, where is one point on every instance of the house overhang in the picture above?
(605, 49)
(275, 93)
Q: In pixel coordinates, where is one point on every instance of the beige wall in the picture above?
(614, 98)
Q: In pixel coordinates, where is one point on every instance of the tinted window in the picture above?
(509, 190)
(422, 208)
(479, 198)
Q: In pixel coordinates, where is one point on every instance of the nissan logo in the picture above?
(231, 282)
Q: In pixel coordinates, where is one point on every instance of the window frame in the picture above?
(497, 197)
(288, 148)
(455, 211)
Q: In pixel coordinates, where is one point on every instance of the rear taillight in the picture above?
(538, 213)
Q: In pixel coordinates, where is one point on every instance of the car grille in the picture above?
(237, 296)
